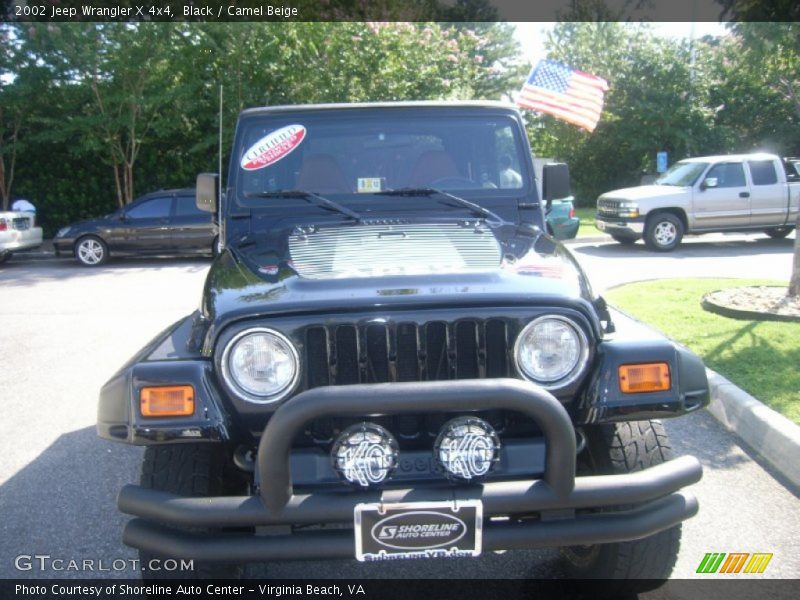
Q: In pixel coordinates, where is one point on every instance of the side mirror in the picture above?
(709, 182)
(555, 182)
(207, 189)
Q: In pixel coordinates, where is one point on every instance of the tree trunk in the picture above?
(794, 282)
(120, 197)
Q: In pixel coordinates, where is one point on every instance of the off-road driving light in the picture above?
(645, 377)
(167, 401)
(261, 365)
(467, 447)
(551, 351)
(365, 454)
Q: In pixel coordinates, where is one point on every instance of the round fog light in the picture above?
(365, 454)
(467, 447)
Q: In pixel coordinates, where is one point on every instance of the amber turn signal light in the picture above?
(646, 377)
(167, 401)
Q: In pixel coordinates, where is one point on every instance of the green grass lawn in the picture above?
(587, 227)
(762, 357)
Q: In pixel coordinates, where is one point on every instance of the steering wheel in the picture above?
(454, 182)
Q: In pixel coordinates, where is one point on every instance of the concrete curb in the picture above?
(774, 437)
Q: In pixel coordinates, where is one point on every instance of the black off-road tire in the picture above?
(640, 565)
(625, 240)
(188, 470)
(663, 232)
(777, 233)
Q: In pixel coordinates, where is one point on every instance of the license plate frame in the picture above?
(417, 530)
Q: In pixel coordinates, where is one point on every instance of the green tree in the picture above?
(123, 74)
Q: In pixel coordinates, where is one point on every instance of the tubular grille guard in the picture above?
(272, 462)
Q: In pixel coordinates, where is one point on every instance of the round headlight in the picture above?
(261, 364)
(551, 351)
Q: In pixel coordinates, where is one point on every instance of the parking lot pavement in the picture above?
(713, 255)
(66, 329)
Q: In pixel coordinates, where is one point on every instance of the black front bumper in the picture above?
(558, 509)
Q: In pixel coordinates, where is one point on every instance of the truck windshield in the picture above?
(682, 174)
(354, 154)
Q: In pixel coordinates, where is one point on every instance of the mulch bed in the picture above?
(753, 303)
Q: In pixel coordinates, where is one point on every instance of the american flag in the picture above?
(570, 95)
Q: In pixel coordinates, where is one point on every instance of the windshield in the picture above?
(352, 153)
(682, 174)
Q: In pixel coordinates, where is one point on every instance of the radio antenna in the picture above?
(219, 166)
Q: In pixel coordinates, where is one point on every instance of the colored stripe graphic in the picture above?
(734, 562)
(758, 563)
(711, 562)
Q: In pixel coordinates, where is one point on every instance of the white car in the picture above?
(18, 232)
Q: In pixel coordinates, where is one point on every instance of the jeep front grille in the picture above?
(388, 352)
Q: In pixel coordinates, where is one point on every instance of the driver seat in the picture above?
(430, 166)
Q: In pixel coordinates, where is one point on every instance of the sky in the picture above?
(531, 35)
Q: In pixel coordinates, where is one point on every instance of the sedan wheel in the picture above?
(91, 251)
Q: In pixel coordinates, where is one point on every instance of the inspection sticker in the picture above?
(368, 185)
(273, 147)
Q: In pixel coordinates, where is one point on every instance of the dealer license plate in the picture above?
(418, 530)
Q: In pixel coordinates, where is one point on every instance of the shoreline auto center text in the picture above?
(212, 589)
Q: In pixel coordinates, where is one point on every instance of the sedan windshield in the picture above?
(354, 153)
(682, 174)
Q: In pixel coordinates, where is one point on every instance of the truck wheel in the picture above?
(4, 256)
(640, 565)
(624, 239)
(777, 233)
(663, 232)
(188, 470)
(91, 251)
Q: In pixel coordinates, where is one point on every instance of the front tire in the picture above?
(197, 470)
(4, 256)
(663, 233)
(777, 233)
(639, 565)
(91, 251)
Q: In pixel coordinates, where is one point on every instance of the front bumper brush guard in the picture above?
(557, 495)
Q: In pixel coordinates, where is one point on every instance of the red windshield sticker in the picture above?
(273, 147)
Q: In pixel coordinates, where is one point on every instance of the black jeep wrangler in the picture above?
(389, 345)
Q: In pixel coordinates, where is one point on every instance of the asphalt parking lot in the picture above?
(66, 329)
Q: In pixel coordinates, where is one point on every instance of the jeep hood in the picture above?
(644, 192)
(382, 265)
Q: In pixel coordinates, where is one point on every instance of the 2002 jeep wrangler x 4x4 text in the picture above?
(389, 343)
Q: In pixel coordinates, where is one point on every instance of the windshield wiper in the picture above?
(427, 191)
(320, 200)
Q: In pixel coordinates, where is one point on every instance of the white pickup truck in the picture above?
(18, 231)
(745, 192)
